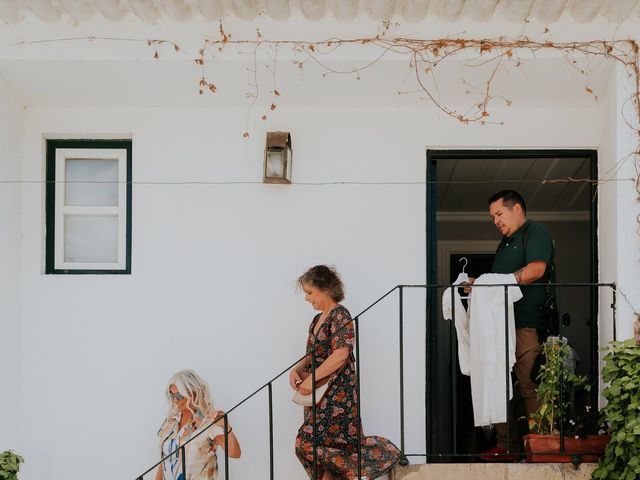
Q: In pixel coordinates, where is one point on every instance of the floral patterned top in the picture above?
(202, 461)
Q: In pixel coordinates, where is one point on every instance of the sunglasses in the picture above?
(176, 396)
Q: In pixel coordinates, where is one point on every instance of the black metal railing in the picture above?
(428, 453)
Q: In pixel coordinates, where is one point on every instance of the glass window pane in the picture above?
(91, 239)
(275, 163)
(97, 181)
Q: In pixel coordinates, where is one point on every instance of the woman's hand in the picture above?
(232, 440)
(294, 379)
(305, 387)
(220, 422)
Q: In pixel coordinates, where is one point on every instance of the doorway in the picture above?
(557, 188)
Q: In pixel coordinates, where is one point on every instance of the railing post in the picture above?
(506, 365)
(403, 459)
(226, 447)
(270, 432)
(614, 307)
(183, 453)
(562, 358)
(358, 405)
(452, 360)
(313, 410)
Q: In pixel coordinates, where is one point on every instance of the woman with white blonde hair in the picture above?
(191, 409)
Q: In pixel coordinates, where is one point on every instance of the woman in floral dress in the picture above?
(337, 410)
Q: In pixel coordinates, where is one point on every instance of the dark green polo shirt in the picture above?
(531, 242)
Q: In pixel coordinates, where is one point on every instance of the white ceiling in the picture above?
(465, 185)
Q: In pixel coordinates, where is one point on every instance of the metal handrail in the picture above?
(355, 320)
(267, 385)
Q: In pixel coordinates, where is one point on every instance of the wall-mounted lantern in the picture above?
(277, 158)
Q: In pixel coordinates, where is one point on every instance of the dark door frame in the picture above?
(439, 442)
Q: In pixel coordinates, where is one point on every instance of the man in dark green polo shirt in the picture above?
(526, 250)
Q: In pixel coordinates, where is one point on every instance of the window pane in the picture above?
(91, 239)
(91, 175)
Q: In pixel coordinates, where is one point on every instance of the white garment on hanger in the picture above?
(487, 346)
(461, 323)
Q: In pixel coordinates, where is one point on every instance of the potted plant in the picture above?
(9, 465)
(581, 443)
(622, 369)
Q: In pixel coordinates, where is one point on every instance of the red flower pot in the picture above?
(546, 448)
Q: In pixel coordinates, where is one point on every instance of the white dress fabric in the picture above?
(481, 343)
(487, 346)
(462, 326)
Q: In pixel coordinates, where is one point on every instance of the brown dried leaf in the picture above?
(264, 117)
(588, 90)
(245, 135)
(273, 106)
(212, 87)
(156, 56)
(276, 93)
(176, 48)
(311, 47)
(485, 113)
(509, 53)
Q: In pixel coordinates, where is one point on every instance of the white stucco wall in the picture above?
(11, 124)
(214, 268)
(618, 237)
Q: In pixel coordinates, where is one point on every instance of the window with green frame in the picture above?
(88, 207)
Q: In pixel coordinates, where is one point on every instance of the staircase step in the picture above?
(494, 471)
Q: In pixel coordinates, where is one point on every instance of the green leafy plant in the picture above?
(9, 465)
(555, 374)
(622, 370)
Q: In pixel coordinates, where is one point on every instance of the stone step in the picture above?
(494, 471)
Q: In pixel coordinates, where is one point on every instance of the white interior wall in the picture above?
(11, 124)
(214, 268)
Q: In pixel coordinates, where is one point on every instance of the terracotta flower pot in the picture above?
(546, 448)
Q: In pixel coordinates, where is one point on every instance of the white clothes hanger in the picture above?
(463, 277)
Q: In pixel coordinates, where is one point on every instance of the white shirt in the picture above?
(487, 355)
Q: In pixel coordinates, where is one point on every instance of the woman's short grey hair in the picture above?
(324, 278)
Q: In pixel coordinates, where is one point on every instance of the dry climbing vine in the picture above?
(423, 57)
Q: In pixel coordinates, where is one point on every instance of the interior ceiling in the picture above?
(516, 11)
(465, 185)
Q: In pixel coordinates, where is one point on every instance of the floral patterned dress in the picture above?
(337, 415)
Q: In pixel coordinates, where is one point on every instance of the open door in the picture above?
(459, 182)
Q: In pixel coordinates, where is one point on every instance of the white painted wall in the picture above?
(619, 240)
(214, 269)
(11, 124)
(214, 266)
